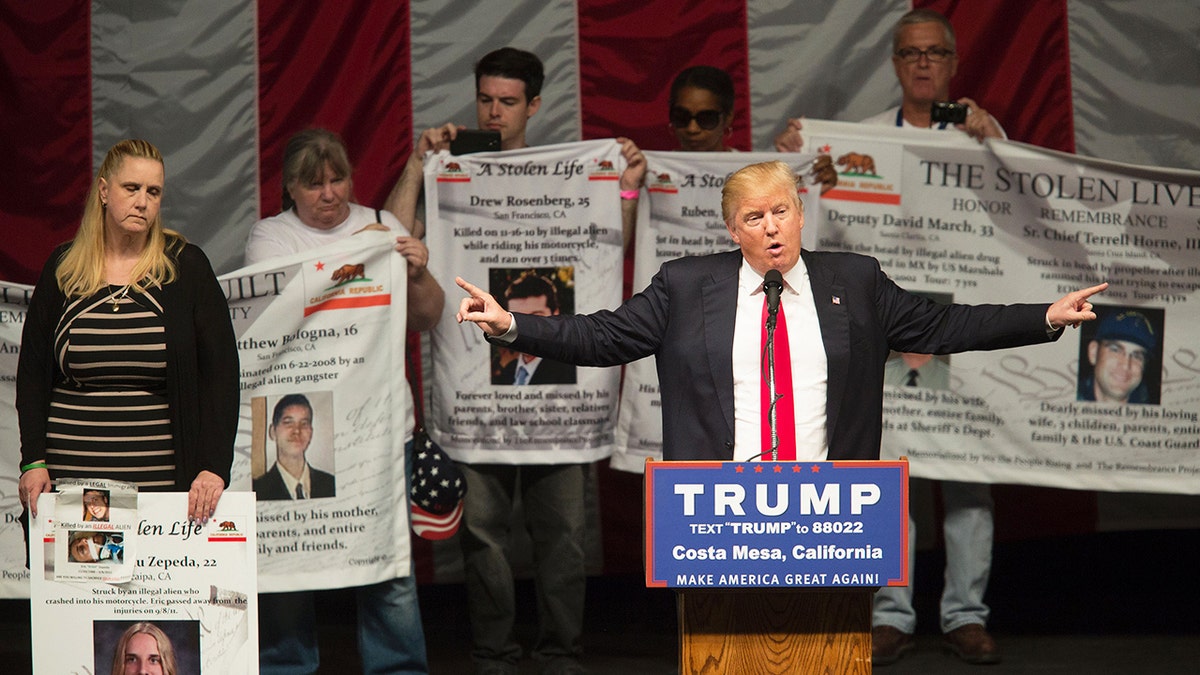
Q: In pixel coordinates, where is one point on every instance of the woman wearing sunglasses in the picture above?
(701, 115)
(701, 106)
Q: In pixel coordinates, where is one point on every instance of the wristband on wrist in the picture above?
(630, 194)
(40, 464)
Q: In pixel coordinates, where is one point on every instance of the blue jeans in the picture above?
(552, 496)
(390, 636)
(967, 529)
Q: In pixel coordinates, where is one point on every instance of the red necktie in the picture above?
(785, 417)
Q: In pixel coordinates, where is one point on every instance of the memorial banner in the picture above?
(1111, 406)
(191, 600)
(14, 578)
(321, 338)
(680, 215)
(787, 524)
(540, 229)
(321, 332)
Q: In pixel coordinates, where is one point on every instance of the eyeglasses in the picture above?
(705, 119)
(934, 54)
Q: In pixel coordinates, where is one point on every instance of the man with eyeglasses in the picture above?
(925, 59)
(1119, 352)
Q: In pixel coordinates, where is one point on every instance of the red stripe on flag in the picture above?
(629, 53)
(631, 50)
(1016, 64)
(349, 303)
(46, 119)
(866, 197)
(343, 66)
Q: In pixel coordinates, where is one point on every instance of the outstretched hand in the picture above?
(482, 309)
(1073, 308)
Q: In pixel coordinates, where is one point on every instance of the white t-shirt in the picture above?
(285, 234)
(810, 367)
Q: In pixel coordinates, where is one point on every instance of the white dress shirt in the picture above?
(809, 367)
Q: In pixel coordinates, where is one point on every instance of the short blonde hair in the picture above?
(81, 271)
(758, 178)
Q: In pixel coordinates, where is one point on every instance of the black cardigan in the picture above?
(202, 367)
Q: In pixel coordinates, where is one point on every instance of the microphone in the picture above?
(772, 286)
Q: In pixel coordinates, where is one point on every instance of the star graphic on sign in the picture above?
(816, 468)
(758, 468)
(320, 265)
(825, 149)
(795, 468)
(739, 468)
(778, 468)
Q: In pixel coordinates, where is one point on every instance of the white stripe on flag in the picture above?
(184, 77)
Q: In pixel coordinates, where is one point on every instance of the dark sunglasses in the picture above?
(705, 119)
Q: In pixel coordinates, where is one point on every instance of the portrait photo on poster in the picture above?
(160, 647)
(926, 371)
(1121, 355)
(294, 439)
(541, 291)
(95, 505)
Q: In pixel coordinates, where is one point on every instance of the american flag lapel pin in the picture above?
(836, 300)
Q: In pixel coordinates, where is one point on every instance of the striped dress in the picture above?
(109, 417)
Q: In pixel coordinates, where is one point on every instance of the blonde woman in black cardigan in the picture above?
(128, 367)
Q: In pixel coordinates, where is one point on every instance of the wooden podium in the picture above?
(775, 564)
(782, 631)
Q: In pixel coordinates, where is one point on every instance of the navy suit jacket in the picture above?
(270, 485)
(685, 318)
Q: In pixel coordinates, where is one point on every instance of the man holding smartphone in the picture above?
(508, 85)
(504, 103)
(925, 59)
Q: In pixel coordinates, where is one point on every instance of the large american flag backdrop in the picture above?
(219, 85)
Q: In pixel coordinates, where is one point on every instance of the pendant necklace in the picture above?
(116, 298)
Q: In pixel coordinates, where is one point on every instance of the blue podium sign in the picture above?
(786, 524)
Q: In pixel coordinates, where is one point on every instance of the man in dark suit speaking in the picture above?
(292, 477)
(703, 318)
